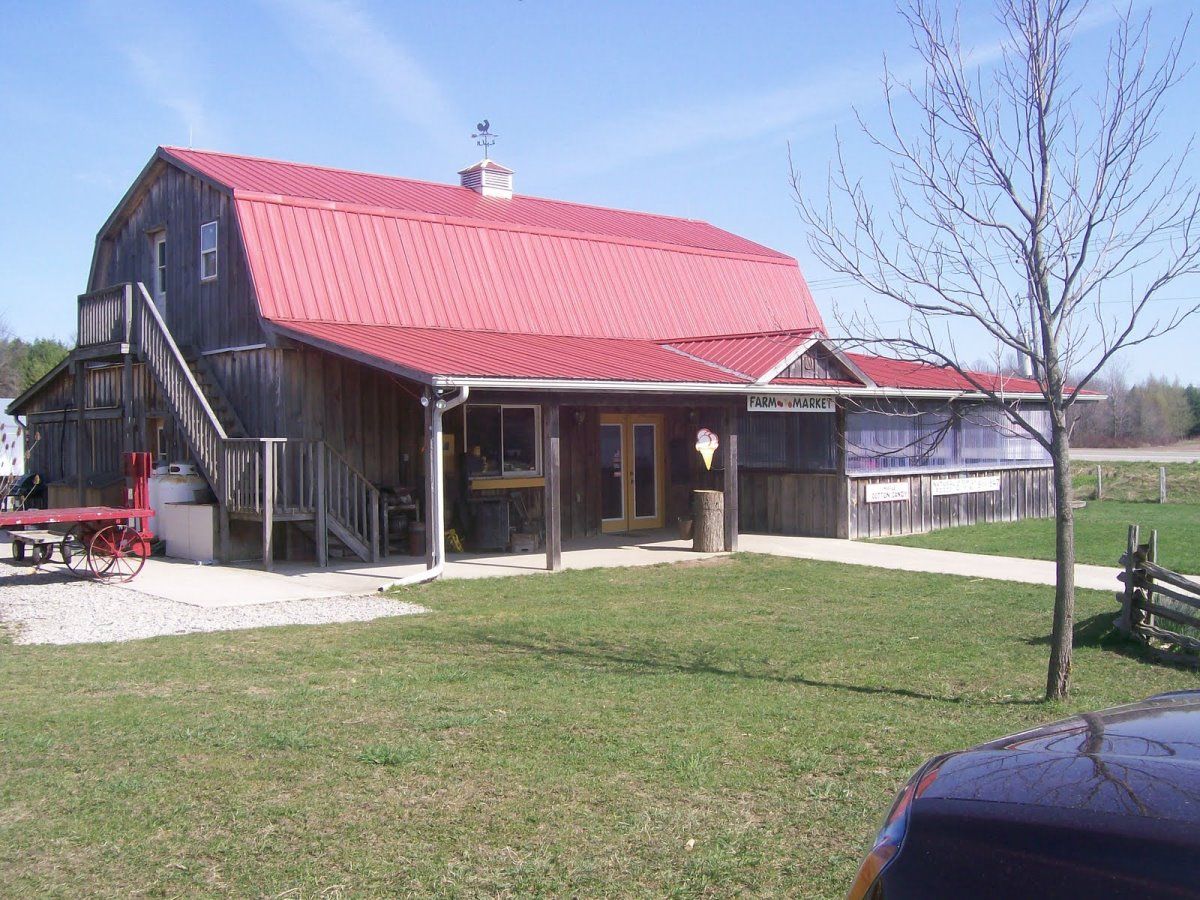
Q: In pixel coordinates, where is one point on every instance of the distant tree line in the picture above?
(24, 362)
(1155, 410)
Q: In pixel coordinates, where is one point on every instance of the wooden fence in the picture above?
(1154, 596)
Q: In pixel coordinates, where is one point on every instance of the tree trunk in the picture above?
(708, 534)
(1058, 678)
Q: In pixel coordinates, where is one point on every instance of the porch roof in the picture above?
(445, 356)
(438, 353)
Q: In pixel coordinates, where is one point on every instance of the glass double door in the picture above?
(631, 468)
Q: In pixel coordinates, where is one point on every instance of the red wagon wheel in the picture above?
(74, 551)
(116, 554)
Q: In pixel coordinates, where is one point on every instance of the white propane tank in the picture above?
(174, 483)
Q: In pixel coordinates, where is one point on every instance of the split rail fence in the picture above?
(1159, 608)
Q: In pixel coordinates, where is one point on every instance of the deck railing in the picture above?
(105, 316)
(265, 477)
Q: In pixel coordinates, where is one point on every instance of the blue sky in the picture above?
(682, 108)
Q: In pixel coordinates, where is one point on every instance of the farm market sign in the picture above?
(978, 484)
(790, 403)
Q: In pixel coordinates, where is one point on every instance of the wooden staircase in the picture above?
(217, 399)
(263, 479)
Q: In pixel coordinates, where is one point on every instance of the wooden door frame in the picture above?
(627, 422)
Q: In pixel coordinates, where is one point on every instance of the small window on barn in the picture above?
(208, 251)
(160, 266)
(503, 441)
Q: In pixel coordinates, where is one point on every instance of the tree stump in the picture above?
(708, 509)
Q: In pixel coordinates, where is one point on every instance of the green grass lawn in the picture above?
(1137, 481)
(542, 736)
(1101, 532)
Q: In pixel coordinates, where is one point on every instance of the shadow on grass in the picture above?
(1100, 633)
(699, 665)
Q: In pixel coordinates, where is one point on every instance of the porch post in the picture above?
(842, 524)
(321, 513)
(268, 503)
(731, 478)
(552, 467)
(129, 426)
(432, 452)
(80, 430)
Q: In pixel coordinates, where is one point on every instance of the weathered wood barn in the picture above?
(351, 360)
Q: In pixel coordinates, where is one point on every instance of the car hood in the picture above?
(1142, 759)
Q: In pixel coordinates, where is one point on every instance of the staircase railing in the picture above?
(264, 477)
(299, 478)
(350, 499)
(200, 426)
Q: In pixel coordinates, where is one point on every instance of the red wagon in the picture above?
(102, 540)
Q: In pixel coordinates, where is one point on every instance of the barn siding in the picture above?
(201, 316)
(788, 503)
(1024, 493)
(53, 422)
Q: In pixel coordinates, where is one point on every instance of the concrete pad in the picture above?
(919, 559)
(218, 587)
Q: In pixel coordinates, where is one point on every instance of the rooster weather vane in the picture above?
(484, 137)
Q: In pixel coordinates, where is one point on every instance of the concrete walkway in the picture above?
(918, 559)
(227, 587)
(217, 587)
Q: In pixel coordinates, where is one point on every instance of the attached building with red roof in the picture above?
(354, 362)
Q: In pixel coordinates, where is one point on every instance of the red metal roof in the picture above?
(489, 354)
(816, 382)
(250, 174)
(752, 355)
(439, 280)
(895, 373)
(355, 265)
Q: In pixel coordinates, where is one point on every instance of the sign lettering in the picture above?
(790, 403)
(971, 484)
(887, 492)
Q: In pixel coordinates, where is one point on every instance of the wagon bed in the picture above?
(71, 514)
(100, 542)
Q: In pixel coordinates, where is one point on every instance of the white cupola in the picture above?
(489, 178)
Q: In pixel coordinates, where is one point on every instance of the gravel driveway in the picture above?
(51, 607)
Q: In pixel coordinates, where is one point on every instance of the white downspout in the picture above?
(435, 524)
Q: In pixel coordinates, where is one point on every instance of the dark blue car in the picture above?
(1103, 804)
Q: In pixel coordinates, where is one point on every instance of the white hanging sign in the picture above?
(800, 403)
(970, 484)
(887, 492)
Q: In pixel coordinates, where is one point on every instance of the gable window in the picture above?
(208, 251)
(160, 266)
(503, 441)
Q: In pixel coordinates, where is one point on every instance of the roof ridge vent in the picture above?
(489, 178)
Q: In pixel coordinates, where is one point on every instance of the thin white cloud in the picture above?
(345, 32)
(821, 97)
(167, 87)
(166, 60)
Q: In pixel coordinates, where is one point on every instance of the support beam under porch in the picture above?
(552, 466)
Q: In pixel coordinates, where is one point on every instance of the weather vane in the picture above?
(485, 138)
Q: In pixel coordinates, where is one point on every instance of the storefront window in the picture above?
(930, 435)
(788, 442)
(503, 441)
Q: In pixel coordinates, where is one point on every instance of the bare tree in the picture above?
(1019, 208)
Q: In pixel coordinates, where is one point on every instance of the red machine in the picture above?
(102, 540)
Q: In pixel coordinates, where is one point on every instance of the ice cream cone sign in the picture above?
(707, 443)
